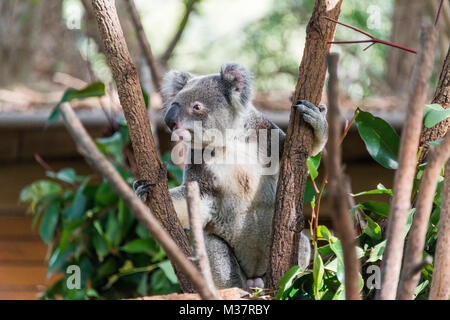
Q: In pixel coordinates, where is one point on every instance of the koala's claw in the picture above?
(141, 188)
(255, 283)
(316, 117)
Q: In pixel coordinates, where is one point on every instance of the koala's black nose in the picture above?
(171, 117)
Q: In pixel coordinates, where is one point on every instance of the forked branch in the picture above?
(373, 40)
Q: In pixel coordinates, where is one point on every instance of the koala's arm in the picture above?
(178, 195)
(316, 117)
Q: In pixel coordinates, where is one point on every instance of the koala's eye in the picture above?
(196, 107)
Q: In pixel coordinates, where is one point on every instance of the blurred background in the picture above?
(48, 46)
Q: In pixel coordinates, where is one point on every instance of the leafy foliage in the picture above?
(85, 223)
(325, 279)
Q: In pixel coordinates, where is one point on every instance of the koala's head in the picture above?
(214, 100)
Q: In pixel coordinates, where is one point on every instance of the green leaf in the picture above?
(420, 288)
(377, 252)
(49, 222)
(372, 229)
(105, 195)
(435, 113)
(286, 281)
(380, 190)
(381, 140)
(313, 164)
(96, 89)
(112, 145)
(146, 98)
(39, 192)
(78, 208)
(167, 268)
(380, 209)
(138, 246)
(67, 175)
(39, 189)
(318, 271)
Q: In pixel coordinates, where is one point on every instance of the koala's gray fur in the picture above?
(237, 201)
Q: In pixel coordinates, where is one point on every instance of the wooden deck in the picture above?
(23, 269)
(22, 259)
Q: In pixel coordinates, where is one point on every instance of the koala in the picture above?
(237, 197)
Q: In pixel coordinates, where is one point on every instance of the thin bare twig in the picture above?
(87, 148)
(440, 284)
(195, 221)
(438, 14)
(404, 176)
(416, 239)
(372, 40)
(189, 8)
(145, 45)
(336, 180)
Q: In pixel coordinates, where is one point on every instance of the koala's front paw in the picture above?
(141, 188)
(317, 118)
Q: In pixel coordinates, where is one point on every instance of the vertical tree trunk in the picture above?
(400, 204)
(342, 220)
(440, 284)
(442, 97)
(406, 23)
(288, 218)
(132, 101)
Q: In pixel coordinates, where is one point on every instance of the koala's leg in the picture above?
(317, 118)
(225, 269)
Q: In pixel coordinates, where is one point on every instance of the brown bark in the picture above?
(145, 45)
(440, 284)
(97, 160)
(406, 22)
(342, 221)
(442, 97)
(416, 239)
(132, 101)
(288, 218)
(403, 182)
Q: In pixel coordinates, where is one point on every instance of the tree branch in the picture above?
(195, 221)
(417, 234)
(336, 180)
(440, 284)
(132, 101)
(288, 218)
(404, 176)
(145, 45)
(189, 7)
(87, 148)
(372, 40)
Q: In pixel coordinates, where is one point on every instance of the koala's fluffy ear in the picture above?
(173, 82)
(238, 82)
